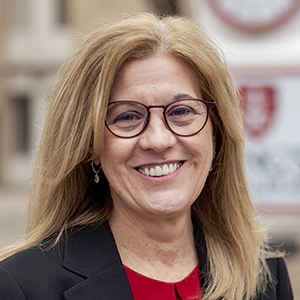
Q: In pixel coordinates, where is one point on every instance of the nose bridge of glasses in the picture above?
(163, 108)
(156, 106)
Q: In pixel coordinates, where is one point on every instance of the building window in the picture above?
(61, 12)
(21, 107)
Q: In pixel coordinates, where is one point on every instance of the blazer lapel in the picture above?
(107, 284)
(91, 252)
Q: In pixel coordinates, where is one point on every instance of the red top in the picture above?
(145, 288)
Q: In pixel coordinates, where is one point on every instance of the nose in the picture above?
(157, 135)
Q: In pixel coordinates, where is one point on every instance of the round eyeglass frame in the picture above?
(209, 105)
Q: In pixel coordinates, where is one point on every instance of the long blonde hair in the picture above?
(62, 183)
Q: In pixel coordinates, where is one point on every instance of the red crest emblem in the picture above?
(259, 105)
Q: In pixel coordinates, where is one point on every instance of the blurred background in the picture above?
(261, 42)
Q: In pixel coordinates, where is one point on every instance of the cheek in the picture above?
(115, 152)
(109, 154)
(202, 145)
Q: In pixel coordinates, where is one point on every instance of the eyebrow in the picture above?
(182, 96)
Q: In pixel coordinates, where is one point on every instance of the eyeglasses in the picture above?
(187, 117)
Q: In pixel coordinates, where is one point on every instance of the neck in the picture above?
(161, 248)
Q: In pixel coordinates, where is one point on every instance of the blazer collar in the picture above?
(98, 262)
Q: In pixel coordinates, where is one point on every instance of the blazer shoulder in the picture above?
(33, 258)
(84, 264)
(35, 273)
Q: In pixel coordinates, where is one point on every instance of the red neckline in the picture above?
(145, 288)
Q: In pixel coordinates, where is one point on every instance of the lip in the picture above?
(160, 170)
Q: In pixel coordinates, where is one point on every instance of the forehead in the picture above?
(157, 75)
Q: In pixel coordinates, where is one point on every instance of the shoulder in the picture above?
(280, 287)
(34, 273)
(35, 254)
(45, 272)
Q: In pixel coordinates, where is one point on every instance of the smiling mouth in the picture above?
(158, 171)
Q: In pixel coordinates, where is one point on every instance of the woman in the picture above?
(139, 188)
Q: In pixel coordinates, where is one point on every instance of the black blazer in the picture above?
(86, 265)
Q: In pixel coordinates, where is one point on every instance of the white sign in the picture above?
(272, 127)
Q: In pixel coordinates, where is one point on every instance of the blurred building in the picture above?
(36, 41)
(260, 42)
(36, 38)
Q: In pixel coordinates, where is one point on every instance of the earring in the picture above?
(96, 179)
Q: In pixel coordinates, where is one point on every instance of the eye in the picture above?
(127, 117)
(180, 111)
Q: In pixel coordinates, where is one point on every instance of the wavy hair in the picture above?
(62, 189)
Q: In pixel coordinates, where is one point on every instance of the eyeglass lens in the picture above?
(183, 117)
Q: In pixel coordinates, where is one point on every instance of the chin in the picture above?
(169, 210)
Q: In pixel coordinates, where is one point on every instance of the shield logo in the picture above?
(259, 106)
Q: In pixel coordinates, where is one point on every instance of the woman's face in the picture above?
(156, 80)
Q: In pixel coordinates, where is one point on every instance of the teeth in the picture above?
(152, 172)
(165, 170)
(158, 171)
